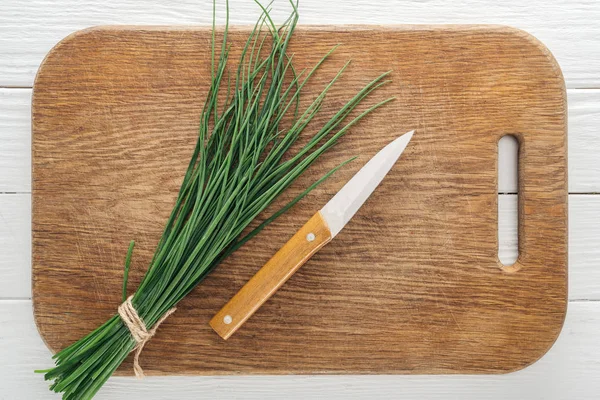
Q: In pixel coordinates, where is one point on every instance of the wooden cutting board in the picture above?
(412, 285)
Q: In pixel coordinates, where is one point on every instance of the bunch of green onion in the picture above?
(239, 166)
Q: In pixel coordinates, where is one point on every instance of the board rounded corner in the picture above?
(67, 40)
(543, 50)
(40, 327)
(535, 357)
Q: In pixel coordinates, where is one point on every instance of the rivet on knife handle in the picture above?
(306, 242)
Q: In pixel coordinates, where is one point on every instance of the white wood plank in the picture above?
(584, 236)
(508, 228)
(584, 247)
(584, 143)
(28, 29)
(15, 246)
(584, 140)
(15, 140)
(570, 370)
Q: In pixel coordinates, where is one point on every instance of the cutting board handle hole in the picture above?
(508, 201)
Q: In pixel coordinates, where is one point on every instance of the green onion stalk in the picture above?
(241, 163)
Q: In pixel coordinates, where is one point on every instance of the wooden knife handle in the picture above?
(306, 242)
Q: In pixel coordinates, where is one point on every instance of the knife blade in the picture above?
(316, 233)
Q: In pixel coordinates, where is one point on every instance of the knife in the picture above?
(316, 233)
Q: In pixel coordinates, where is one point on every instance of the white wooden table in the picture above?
(570, 29)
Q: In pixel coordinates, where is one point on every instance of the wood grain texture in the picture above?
(288, 259)
(412, 285)
(28, 30)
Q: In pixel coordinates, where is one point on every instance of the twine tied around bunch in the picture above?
(138, 330)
